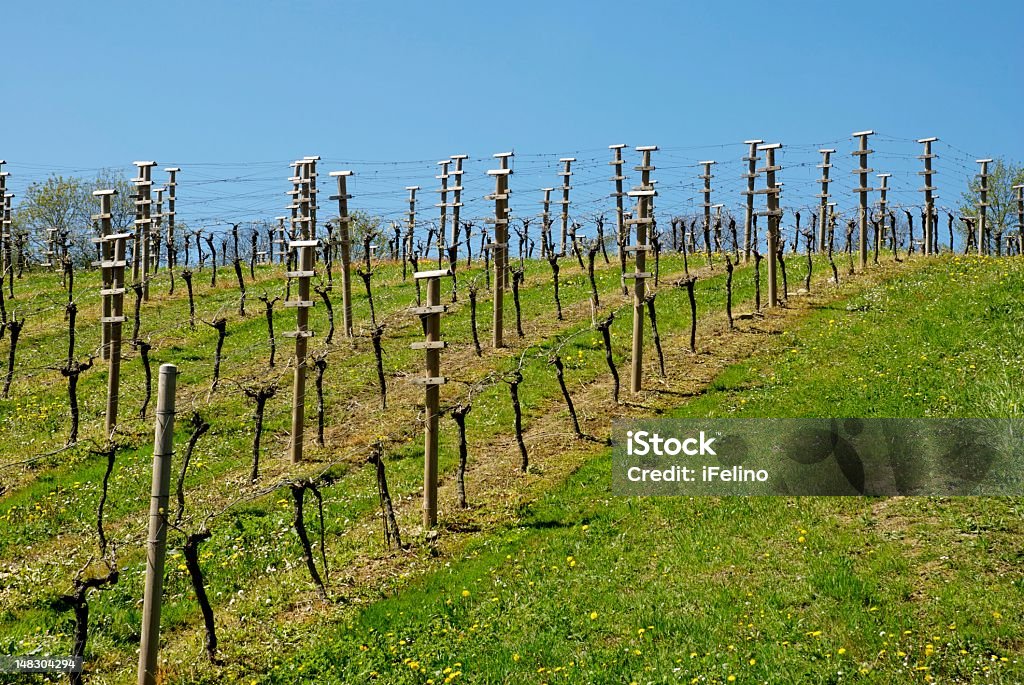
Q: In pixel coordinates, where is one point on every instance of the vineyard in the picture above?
(391, 444)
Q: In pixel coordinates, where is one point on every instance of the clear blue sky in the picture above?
(231, 84)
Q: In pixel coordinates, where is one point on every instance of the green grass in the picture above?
(587, 587)
(694, 569)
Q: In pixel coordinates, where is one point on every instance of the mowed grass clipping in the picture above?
(591, 588)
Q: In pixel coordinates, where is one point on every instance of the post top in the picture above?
(617, 146)
(708, 161)
(412, 187)
(109, 191)
(863, 133)
(499, 172)
(646, 148)
(445, 162)
(983, 161)
(770, 146)
(3, 161)
(828, 150)
(438, 273)
(567, 159)
(144, 164)
(460, 156)
(281, 218)
(500, 155)
(1018, 186)
(171, 169)
(311, 158)
(753, 141)
(547, 190)
(926, 140)
(883, 175)
(345, 172)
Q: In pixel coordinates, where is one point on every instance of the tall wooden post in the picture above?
(565, 173)
(163, 449)
(310, 163)
(7, 229)
(1020, 218)
(546, 244)
(143, 202)
(443, 204)
(51, 250)
(504, 158)
(345, 240)
(929, 199)
(5, 246)
(432, 381)
(772, 191)
(410, 228)
(862, 154)
(456, 204)
(500, 221)
(172, 196)
(155, 233)
(707, 176)
(282, 241)
(618, 177)
(305, 248)
(983, 205)
(112, 313)
(824, 196)
(883, 209)
(751, 176)
(644, 195)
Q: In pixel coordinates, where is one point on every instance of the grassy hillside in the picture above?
(547, 577)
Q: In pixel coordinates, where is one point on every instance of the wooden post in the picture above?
(862, 153)
(456, 204)
(565, 173)
(644, 195)
(773, 213)
(4, 229)
(500, 245)
(143, 203)
(1020, 218)
(432, 381)
(157, 226)
(618, 177)
(410, 227)
(751, 176)
(172, 195)
(112, 317)
(546, 244)
(6, 251)
(983, 205)
(883, 210)
(163, 449)
(282, 241)
(707, 176)
(310, 163)
(929, 199)
(345, 240)
(823, 196)
(443, 204)
(306, 248)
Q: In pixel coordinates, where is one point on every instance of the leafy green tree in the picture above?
(1002, 198)
(67, 203)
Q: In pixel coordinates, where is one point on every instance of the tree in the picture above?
(1002, 198)
(67, 203)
